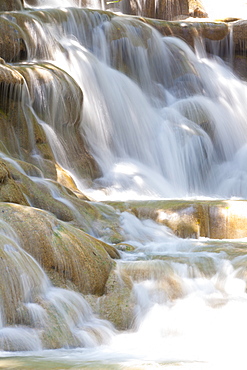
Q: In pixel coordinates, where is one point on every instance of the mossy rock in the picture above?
(61, 247)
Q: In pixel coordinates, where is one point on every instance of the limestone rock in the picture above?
(118, 302)
(47, 83)
(162, 9)
(10, 85)
(9, 188)
(196, 9)
(239, 32)
(193, 219)
(58, 246)
(7, 5)
(12, 44)
(187, 30)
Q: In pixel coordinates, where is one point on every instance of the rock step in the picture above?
(215, 219)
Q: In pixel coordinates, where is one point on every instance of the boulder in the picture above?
(58, 246)
(117, 305)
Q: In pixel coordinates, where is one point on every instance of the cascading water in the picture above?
(160, 122)
(182, 104)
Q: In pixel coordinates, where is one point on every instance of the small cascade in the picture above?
(34, 314)
(186, 292)
(162, 9)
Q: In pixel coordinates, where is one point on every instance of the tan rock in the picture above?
(12, 45)
(196, 9)
(58, 246)
(239, 35)
(187, 30)
(9, 188)
(7, 5)
(193, 219)
(118, 302)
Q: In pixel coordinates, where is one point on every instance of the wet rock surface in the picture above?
(58, 246)
(194, 219)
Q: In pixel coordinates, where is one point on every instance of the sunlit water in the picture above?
(162, 122)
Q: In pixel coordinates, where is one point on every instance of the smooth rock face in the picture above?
(187, 30)
(194, 219)
(58, 246)
(21, 133)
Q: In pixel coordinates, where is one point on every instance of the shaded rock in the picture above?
(240, 66)
(12, 44)
(58, 246)
(239, 36)
(10, 85)
(7, 5)
(162, 9)
(9, 188)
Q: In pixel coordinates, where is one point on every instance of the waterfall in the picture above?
(158, 119)
(119, 143)
(31, 301)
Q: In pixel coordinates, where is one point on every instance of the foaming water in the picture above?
(172, 132)
(158, 119)
(33, 313)
(187, 295)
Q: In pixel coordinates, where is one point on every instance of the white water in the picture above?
(198, 324)
(146, 137)
(172, 126)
